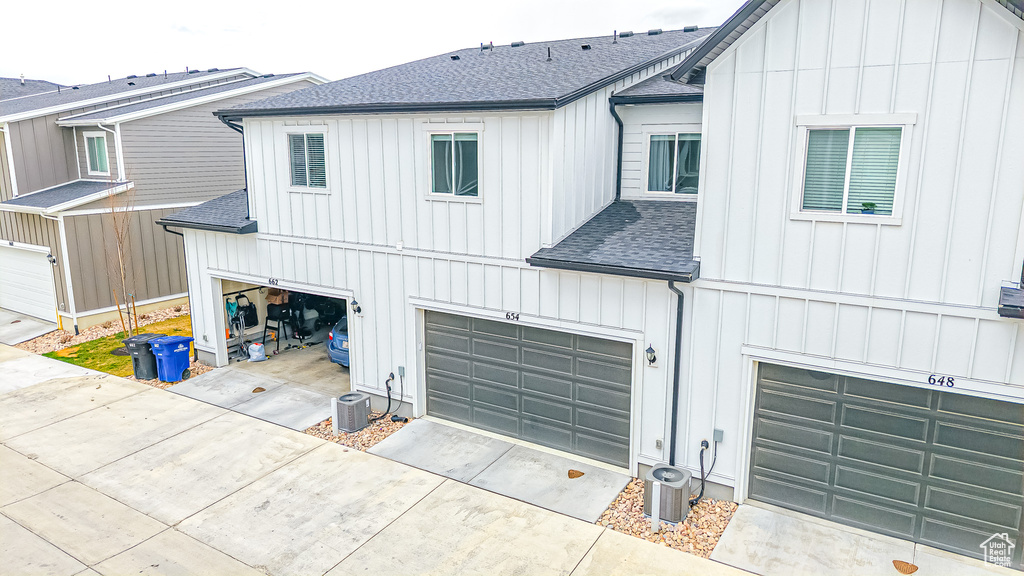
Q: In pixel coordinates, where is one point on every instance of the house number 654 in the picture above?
(512, 316)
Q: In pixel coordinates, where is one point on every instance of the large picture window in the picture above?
(96, 154)
(308, 160)
(454, 164)
(852, 170)
(673, 163)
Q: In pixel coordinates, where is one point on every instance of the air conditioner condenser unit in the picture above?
(350, 412)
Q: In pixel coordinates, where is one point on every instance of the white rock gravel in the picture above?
(59, 339)
(362, 440)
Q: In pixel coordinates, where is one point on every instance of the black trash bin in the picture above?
(143, 359)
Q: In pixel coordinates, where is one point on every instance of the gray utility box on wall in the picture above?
(350, 412)
(675, 491)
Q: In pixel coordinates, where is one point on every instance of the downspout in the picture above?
(245, 168)
(676, 369)
(9, 149)
(618, 153)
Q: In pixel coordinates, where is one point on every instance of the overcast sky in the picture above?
(72, 42)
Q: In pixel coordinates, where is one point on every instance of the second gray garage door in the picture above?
(556, 389)
(923, 464)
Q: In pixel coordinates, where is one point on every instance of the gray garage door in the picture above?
(922, 464)
(554, 388)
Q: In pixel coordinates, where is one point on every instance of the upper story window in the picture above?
(308, 160)
(455, 164)
(96, 153)
(852, 170)
(852, 167)
(673, 163)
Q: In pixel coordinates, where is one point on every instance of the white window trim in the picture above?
(88, 157)
(431, 129)
(311, 129)
(667, 130)
(906, 121)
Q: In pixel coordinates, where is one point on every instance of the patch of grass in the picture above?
(96, 354)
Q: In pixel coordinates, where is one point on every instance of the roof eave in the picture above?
(249, 228)
(689, 275)
(57, 208)
(715, 38)
(655, 98)
(57, 108)
(183, 104)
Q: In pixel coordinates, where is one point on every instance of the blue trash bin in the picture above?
(173, 354)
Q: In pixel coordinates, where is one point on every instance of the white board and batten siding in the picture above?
(375, 234)
(897, 301)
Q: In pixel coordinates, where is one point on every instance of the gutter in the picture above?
(676, 369)
(683, 276)
(618, 149)
(491, 106)
(656, 98)
(207, 227)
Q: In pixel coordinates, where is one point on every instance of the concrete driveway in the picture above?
(100, 475)
(16, 328)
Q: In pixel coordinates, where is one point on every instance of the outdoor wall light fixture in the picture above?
(355, 307)
(651, 358)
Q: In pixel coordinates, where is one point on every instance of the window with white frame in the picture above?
(673, 163)
(455, 164)
(851, 170)
(308, 160)
(96, 154)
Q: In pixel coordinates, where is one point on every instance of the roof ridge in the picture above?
(155, 96)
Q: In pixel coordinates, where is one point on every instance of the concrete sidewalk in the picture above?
(100, 475)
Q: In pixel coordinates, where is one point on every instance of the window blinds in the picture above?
(876, 154)
(825, 174)
(297, 146)
(315, 161)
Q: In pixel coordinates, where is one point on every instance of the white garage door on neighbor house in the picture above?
(26, 281)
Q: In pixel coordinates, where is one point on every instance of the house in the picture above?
(69, 154)
(786, 237)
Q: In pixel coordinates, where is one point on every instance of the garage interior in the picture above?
(295, 329)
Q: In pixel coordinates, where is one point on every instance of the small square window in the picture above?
(852, 170)
(308, 160)
(673, 163)
(96, 154)
(454, 164)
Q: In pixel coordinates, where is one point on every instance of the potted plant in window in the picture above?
(867, 208)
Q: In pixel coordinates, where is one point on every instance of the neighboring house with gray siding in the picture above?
(149, 144)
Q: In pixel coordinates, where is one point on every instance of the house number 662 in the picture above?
(272, 281)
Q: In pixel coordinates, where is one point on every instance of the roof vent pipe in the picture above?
(549, 54)
(654, 32)
(22, 79)
(615, 36)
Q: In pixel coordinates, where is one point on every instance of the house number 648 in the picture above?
(941, 380)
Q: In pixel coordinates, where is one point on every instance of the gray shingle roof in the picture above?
(13, 87)
(227, 213)
(68, 96)
(179, 97)
(502, 77)
(659, 88)
(62, 194)
(642, 238)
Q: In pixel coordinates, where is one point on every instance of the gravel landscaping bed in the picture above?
(362, 440)
(60, 339)
(697, 534)
(196, 368)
